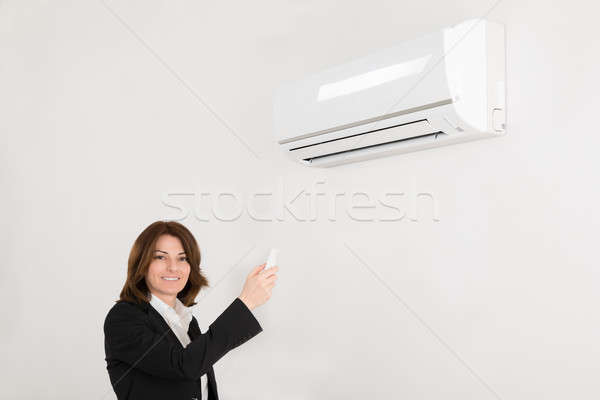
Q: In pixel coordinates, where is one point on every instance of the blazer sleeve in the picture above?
(130, 339)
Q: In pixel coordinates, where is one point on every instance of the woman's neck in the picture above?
(169, 300)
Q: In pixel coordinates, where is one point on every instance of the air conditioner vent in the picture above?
(381, 146)
(369, 139)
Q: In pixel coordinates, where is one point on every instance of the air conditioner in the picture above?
(443, 88)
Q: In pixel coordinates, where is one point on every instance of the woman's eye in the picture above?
(163, 257)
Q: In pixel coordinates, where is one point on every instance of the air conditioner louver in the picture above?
(379, 147)
(378, 137)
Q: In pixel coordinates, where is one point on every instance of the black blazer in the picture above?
(146, 361)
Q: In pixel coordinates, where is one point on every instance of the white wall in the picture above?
(101, 117)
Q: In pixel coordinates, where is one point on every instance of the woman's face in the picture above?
(169, 270)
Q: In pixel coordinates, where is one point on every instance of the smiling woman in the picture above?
(153, 344)
(169, 270)
(164, 249)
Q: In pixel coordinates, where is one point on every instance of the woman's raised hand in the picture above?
(258, 286)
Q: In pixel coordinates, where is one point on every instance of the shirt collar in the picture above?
(180, 312)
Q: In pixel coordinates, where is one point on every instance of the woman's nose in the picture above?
(170, 265)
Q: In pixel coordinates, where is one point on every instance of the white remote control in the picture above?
(272, 260)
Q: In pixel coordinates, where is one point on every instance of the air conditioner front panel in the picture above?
(366, 88)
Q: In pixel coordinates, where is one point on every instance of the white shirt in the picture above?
(179, 320)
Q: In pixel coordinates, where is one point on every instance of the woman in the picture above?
(154, 347)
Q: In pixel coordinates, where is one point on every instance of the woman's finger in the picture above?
(269, 271)
(257, 269)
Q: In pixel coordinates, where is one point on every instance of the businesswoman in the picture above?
(154, 347)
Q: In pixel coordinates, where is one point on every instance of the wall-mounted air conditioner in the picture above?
(443, 88)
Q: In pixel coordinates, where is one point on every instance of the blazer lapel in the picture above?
(163, 326)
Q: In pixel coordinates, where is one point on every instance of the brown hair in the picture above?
(135, 288)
